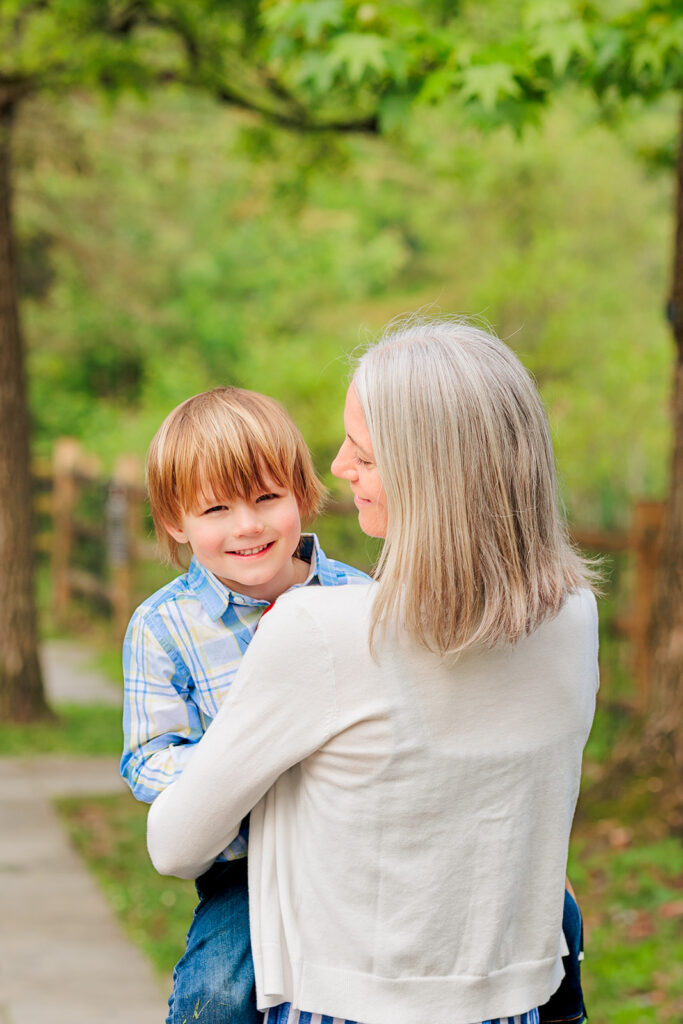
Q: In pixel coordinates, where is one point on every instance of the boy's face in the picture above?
(249, 543)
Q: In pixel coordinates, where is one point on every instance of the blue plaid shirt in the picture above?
(182, 650)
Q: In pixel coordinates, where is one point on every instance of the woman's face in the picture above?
(355, 462)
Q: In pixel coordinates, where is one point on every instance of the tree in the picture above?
(107, 46)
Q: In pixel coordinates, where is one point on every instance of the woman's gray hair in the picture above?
(477, 549)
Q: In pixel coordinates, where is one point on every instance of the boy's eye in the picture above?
(215, 508)
(267, 497)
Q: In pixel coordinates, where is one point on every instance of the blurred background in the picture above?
(235, 193)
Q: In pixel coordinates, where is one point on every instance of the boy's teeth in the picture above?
(252, 551)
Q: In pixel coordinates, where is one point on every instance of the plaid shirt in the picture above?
(182, 650)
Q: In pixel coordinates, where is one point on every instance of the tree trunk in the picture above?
(665, 716)
(22, 697)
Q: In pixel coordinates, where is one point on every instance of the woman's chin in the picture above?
(371, 524)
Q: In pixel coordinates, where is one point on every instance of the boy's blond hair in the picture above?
(223, 444)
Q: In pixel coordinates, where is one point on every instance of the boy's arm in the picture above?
(161, 728)
(282, 708)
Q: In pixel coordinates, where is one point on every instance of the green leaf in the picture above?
(609, 43)
(560, 42)
(489, 83)
(312, 18)
(319, 16)
(438, 85)
(357, 53)
(545, 12)
(648, 54)
(317, 71)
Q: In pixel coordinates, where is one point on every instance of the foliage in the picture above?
(499, 68)
(304, 62)
(199, 251)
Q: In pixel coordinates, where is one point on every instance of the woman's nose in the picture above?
(342, 465)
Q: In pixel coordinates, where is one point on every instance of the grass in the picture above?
(155, 911)
(80, 730)
(629, 882)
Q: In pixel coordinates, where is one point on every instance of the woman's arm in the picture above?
(279, 711)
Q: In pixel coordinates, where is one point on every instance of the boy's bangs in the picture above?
(233, 472)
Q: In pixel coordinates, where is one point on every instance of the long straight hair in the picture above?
(477, 548)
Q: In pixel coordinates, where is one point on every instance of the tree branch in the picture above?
(285, 110)
(301, 122)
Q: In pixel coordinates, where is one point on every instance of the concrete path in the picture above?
(63, 957)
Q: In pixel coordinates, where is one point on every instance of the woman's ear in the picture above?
(176, 533)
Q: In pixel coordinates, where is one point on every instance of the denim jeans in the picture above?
(566, 1004)
(213, 982)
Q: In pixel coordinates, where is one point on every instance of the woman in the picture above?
(412, 749)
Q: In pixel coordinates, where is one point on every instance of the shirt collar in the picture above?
(321, 567)
(216, 598)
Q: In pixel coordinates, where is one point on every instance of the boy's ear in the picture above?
(176, 533)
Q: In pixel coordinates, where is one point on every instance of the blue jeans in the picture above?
(213, 982)
(566, 1004)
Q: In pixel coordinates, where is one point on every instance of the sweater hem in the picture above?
(456, 999)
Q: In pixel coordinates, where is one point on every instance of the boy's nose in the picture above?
(247, 521)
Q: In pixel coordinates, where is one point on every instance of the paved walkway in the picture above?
(63, 957)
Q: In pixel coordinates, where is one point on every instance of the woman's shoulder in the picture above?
(328, 608)
(571, 636)
(321, 602)
(318, 622)
(580, 607)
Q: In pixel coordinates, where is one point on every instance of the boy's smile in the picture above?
(248, 543)
(249, 552)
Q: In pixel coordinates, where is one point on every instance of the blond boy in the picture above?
(229, 478)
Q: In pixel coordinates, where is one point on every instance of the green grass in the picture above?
(155, 911)
(77, 729)
(631, 898)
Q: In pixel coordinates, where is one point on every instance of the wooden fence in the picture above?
(117, 531)
(114, 527)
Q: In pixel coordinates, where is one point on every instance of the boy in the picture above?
(230, 477)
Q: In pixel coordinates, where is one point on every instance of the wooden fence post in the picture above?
(123, 524)
(64, 495)
(646, 540)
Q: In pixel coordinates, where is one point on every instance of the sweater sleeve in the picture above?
(281, 709)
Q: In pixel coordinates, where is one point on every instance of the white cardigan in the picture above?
(411, 816)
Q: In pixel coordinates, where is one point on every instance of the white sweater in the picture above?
(411, 816)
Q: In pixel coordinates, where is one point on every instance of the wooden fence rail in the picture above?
(118, 531)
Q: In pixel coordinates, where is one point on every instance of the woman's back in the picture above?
(418, 857)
